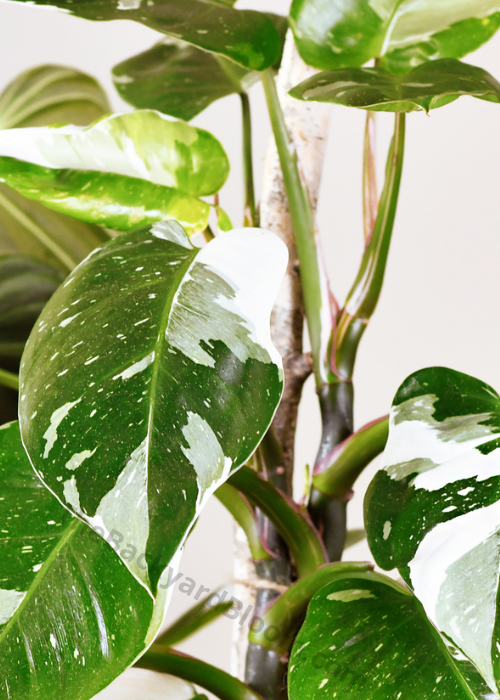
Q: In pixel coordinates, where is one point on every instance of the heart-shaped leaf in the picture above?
(25, 287)
(163, 380)
(123, 171)
(50, 95)
(244, 36)
(434, 509)
(368, 637)
(426, 87)
(179, 79)
(406, 32)
(72, 618)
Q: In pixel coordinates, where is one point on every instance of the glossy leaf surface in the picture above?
(244, 36)
(426, 87)
(433, 510)
(367, 637)
(163, 380)
(72, 618)
(406, 32)
(50, 95)
(179, 79)
(122, 171)
(25, 287)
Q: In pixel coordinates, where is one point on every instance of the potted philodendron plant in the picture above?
(135, 337)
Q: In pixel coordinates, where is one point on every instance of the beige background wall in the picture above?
(441, 301)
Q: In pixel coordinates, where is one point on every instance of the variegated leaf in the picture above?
(405, 32)
(244, 36)
(433, 510)
(368, 637)
(72, 618)
(149, 378)
(123, 171)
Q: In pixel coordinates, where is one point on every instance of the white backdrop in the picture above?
(441, 300)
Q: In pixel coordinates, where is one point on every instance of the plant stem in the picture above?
(220, 683)
(298, 532)
(370, 194)
(198, 616)
(314, 286)
(364, 294)
(287, 612)
(245, 516)
(37, 232)
(9, 379)
(250, 217)
(336, 473)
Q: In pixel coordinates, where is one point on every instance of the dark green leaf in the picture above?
(25, 287)
(407, 32)
(154, 352)
(72, 618)
(50, 95)
(123, 171)
(433, 510)
(245, 36)
(368, 637)
(426, 87)
(179, 79)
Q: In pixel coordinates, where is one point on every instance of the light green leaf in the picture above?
(406, 32)
(163, 380)
(50, 95)
(426, 87)
(179, 79)
(433, 510)
(72, 618)
(122, 171)
(25, 287)
(368, 637)
(244, 36)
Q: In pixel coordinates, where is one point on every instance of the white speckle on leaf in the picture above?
(136, 367)
(9, 603)
(79, 457)
(56, 419)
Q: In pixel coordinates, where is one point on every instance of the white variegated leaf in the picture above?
(433, 510)
(150, 377)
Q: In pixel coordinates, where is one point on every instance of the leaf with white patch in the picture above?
(404, 32)
(245, 36)
(72, 618)
(433, 510)
(152, 376)
(123, 171)
(368, 637)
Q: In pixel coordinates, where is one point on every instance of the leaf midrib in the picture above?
(71, 531)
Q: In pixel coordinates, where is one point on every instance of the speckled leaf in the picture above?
(123, 171)
(179, 79)
(433, 510)
(149, 378)
(72, 618)
(333, 35)
(244, 36)
(368, 637)
(426, 87)
(50, 95)
(26, 285)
